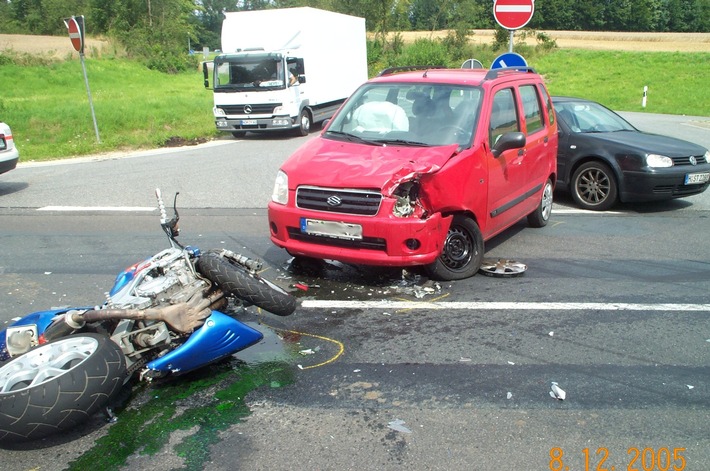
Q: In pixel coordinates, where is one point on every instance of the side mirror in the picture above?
(509, 140)
(206, 73)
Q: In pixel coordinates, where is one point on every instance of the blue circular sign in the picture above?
(509, 59)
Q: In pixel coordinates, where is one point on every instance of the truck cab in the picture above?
(281, 69)
(260, 91)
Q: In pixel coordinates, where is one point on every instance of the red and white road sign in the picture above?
(513, 14)
(75, 34)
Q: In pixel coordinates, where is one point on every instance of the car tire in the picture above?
(594, 186)
(462, 254)
(541, 215)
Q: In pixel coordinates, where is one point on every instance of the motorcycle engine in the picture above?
(166, 278)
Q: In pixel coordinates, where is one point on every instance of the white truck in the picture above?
(285, 68)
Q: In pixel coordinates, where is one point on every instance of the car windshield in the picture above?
(590, 117)
(409, 114)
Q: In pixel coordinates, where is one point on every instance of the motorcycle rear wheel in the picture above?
(237, 281)
(58, 385)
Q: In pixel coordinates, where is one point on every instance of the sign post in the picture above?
(75, 25)
(512, 15)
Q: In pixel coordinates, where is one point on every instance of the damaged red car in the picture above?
(420, 167)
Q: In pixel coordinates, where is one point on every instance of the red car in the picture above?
(420, 167)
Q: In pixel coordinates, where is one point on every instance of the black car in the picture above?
(603, 159)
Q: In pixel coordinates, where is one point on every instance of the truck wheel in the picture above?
(462, 254)
(541, 215)
(237, 281)
(304, 123)
(58, 385)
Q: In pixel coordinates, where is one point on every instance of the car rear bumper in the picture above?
(9, 161)
(386, 241)
(668, 184)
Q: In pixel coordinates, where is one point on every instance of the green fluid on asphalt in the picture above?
(200, 405)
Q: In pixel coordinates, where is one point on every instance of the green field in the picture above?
(48, 108)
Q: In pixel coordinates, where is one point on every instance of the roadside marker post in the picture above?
(643, 100)
(75, 25)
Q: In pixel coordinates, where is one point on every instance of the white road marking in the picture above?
(96, 208)
(501, 306)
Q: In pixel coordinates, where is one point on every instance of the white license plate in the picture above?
(248, 122)
(695, 178)
(339, 230)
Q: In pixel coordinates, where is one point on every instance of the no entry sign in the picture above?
(513, 14)
(75, 34)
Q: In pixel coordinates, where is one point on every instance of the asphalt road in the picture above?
(403, 373)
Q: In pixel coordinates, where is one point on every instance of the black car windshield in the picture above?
(409, 114)
(590, 117)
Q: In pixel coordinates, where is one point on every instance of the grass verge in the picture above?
(48, 108)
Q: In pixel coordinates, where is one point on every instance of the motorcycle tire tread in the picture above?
(65, 400)
(237, 281)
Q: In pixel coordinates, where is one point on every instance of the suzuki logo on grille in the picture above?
(693, 160)
(247, 109)
(334, 201)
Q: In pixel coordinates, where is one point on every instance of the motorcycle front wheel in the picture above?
(237, 281)
(58, 385)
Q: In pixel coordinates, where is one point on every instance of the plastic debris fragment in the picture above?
(556, 392)
(509, 395)
(398, 426)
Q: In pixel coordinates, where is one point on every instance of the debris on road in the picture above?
(502, 268)
(556, 392)
(398, 426)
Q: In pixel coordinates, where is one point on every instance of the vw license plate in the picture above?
(695, 178)
(339, 230)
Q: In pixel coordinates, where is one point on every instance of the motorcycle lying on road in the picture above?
(162, 317)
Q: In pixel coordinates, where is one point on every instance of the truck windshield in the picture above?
(409, 114)
(241, 74)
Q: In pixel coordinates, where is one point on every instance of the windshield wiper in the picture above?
(353, 138)
(403, 142)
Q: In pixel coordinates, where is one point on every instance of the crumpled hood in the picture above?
(651, 143)
(330, 163)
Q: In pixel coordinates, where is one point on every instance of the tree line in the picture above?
(160, 31)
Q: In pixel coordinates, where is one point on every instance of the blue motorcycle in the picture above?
(162, 317)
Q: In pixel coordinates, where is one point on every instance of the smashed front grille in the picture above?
(360, 202)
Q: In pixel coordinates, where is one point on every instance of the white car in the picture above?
(8, 152)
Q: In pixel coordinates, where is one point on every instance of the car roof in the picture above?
(452, 76)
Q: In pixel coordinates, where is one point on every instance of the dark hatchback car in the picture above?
(602, 159)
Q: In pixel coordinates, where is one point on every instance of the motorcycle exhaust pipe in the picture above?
(67, 324)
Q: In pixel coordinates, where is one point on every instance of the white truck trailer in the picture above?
(285, 68)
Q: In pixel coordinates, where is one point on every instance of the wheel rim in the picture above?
(546, 204)
(305, 122)
(593, 186)
(46, 363)
(458, 248)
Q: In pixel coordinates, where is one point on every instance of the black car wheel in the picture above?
(594, 186)
(462, 254)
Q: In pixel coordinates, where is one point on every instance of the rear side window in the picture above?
(531, 108)
(548, 104)
(504, 115)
